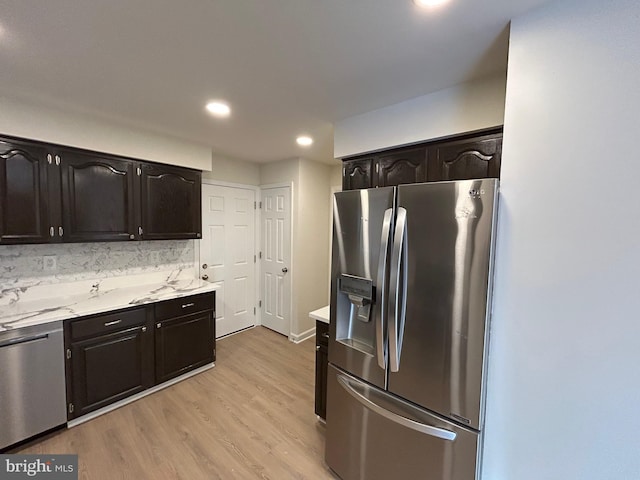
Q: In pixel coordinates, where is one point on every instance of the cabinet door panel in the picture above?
(466, 159)
(171, 200)
(183, 344)
(98, 198)
(322, 362)
(24, 212)
(109, 368)
(357, 174)
(409, 166)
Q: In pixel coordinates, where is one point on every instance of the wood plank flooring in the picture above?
(249, 417)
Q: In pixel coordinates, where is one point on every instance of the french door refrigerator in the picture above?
(410, 303)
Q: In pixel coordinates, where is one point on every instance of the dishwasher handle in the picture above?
(25, 339)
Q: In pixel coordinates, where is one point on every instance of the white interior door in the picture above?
(276, 259)
(227, 254)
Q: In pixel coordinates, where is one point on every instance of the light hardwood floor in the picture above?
(249, 417)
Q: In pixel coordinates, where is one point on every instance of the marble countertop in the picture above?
(89, 298)
(321, 314)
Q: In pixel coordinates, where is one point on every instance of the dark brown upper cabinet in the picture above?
(25, 206)
(406, 166)
(51, 193)
(171, 202)
(357, 174)
(477, 157)
(463, 157)
(98, 198)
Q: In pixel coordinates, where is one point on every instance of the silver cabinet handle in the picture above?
(52, 232)
(132, 237)
(381, 324)
(115, 322)
(317, 347)
(139, 230)
(187, 305)
(158, 325)
(49, 159)
(60, 231)
(144, 329)
(437, 432)
(398, 290)
(57, 160)
(325, 335)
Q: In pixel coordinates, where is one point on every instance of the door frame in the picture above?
(292, 299)
(256, 246)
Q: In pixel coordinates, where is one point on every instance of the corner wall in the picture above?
(563, 389)
(231, 170)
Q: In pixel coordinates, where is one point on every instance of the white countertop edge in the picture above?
(321, 314)
(82, 305)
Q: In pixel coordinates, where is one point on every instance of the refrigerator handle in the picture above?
(381, 324)
(397, 290)
(394, 417)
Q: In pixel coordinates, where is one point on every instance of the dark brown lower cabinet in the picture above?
(183, 344)
(322, 362)
(110, 357)
(115, 355)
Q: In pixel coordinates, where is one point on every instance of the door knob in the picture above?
(285, 270)
(205, 277)
(204, 266)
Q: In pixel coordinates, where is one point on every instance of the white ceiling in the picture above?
(285, 66)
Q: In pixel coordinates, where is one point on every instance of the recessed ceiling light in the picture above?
(429, 3)
(218, 108)
(304, 141)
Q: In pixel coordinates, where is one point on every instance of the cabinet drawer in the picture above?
(104, 324)
(184, 306)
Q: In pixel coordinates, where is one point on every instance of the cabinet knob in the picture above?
(144, 329)
(60, 231)
(317, 347)
(285, 270)
(158, 325)
(132, 237)
(205, 277)
(204, 266)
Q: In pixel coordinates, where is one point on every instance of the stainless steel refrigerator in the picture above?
(410, 304)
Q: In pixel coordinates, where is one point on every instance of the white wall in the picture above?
(233, 171)
(312, 240)
(463, 108)
(34, 121)
(564, 384)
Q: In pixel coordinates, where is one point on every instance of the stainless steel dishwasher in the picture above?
(32, 384)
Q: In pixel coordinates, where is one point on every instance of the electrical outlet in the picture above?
(49, 263)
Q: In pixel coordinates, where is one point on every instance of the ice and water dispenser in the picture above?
(356, 297)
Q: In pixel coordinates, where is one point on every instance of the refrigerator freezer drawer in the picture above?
(372, 435)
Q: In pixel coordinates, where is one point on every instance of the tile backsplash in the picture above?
(23, 266)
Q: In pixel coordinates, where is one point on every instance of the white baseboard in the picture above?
(90, 416)
(301, 337)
